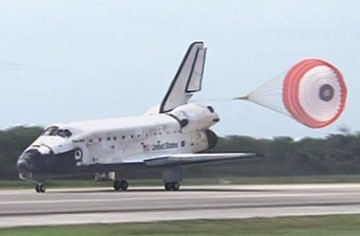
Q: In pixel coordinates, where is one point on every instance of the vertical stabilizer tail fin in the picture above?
(188, 78)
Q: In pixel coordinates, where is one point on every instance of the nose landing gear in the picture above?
(40, 187)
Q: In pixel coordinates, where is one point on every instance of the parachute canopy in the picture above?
(313, 92)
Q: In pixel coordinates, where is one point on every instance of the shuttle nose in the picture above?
(27, 161)
(23, 166)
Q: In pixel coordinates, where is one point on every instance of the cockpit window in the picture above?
(65, 133)
(51, 131)
(55, 131)
(211, 109)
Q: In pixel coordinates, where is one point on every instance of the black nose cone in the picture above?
(27, 161)
(23, 166)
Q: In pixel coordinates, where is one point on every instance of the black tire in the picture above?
(121, 185)
(117, 185)
(124, 185)
(169, 186)
(40, 188)
(176, 186)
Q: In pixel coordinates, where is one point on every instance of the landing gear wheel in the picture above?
(176, 186)
(168, 186)
(172, 186)
(121, 185)
(40, 188)
(117, 185)
(124, 185)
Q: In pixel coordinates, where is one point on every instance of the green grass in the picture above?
(18, 184)
(344, 225)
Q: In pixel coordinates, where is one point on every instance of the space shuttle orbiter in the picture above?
(176, 133)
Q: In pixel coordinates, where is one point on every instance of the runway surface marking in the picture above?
(160, 198)
(102, 205)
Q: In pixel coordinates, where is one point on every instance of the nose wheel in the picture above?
(121, 185)
(40, 188)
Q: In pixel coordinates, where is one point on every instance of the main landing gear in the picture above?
(172, 186)
(171, 178)
(40, 187)
(121, 185)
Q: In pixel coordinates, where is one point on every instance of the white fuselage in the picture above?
(132, 139)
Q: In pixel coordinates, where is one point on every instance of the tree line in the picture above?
(279, 156)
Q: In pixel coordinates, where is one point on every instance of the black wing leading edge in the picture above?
(194, 158)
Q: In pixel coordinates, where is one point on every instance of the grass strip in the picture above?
(345, 225)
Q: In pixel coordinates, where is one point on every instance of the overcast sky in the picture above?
(79, 60)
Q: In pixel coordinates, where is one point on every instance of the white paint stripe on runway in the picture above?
(285, 195)
(64, 219)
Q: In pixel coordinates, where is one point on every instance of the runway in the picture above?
(145, 204)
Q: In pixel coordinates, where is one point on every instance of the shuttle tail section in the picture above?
(188, 78)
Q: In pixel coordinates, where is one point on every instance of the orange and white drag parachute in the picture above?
(313, 92)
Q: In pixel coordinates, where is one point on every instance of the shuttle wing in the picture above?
(191, 158)
(188, 78)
